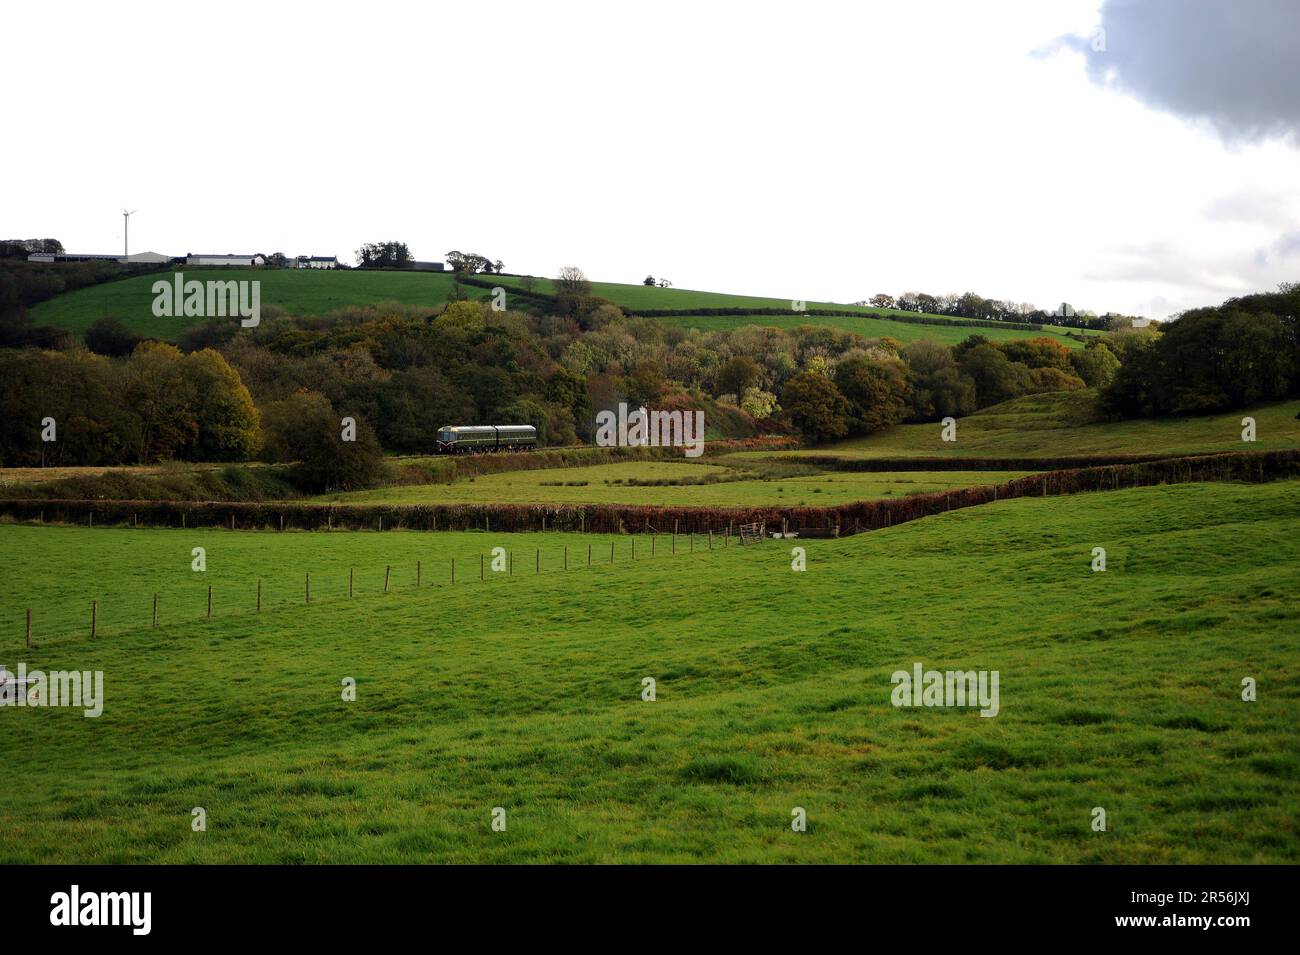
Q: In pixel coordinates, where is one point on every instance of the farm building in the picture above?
(82, 257)
(316, 262)
(192, 259)
(428, 267)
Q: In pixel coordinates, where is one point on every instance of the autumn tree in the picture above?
(816, 406)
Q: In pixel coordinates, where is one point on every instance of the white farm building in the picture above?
(192, 259)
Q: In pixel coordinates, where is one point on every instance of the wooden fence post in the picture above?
(154, 619)
(417, 575)
(710, 538)
(588, 555)
(538, 568)
(566, 556)
(611, 552)
(453, 571)
(510, 564)
(388, 570)
(652, 544)
(94, 617)
(480, 566)
(634, 547)
(351, 572)
(209, 601)
(692, 542)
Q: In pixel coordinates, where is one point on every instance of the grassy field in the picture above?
(298, 292)
(310, 292)
(635, 297)
(645, 483)
(868, 326)
(1064, 423)
(1118, 690)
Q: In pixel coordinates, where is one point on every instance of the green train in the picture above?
(462, 439)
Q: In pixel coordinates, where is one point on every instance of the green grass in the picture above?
(1118, 690)
(297, 291)
(635, 297)
(317, 292)
(875, 322)
(867, 326)
(1065, 423)
(608, 484)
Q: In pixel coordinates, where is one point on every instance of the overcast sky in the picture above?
(802, 150)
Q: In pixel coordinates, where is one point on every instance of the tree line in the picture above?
(972, 305)
(1218, 358)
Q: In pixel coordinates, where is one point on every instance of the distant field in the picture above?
(607, 484)
(645, 296)
(298, 291)
(308, 292)
(1057, 424)
(1119, 690)
(868, 326)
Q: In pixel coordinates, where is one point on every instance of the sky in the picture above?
(1135, 158)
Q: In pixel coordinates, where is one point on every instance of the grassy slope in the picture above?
(306, 292)
(868, 326)
(635, 297)
(873, 324)
(537, 487)
(1117, 690)
(299, 292)
(1058, 424)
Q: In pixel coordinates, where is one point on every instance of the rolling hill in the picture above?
(1066, 423)
(309, 292)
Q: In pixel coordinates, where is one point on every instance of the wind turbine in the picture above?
(126, 222)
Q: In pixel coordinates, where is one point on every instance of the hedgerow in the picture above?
(622, 518)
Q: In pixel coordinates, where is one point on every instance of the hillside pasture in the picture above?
(1068, 423)
(868, 326)
(674, 484)
(296, 291)
(1119, 690)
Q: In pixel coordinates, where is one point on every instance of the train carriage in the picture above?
(462, 439)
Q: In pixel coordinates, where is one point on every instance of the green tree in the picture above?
(645, 384)
(158, 402)
(1095, 363)
(222, 409)
(939, 389)
(306, 430)
(736, 375)
(996, 377)
(877, 392)
(816, 406)
(110, 336)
